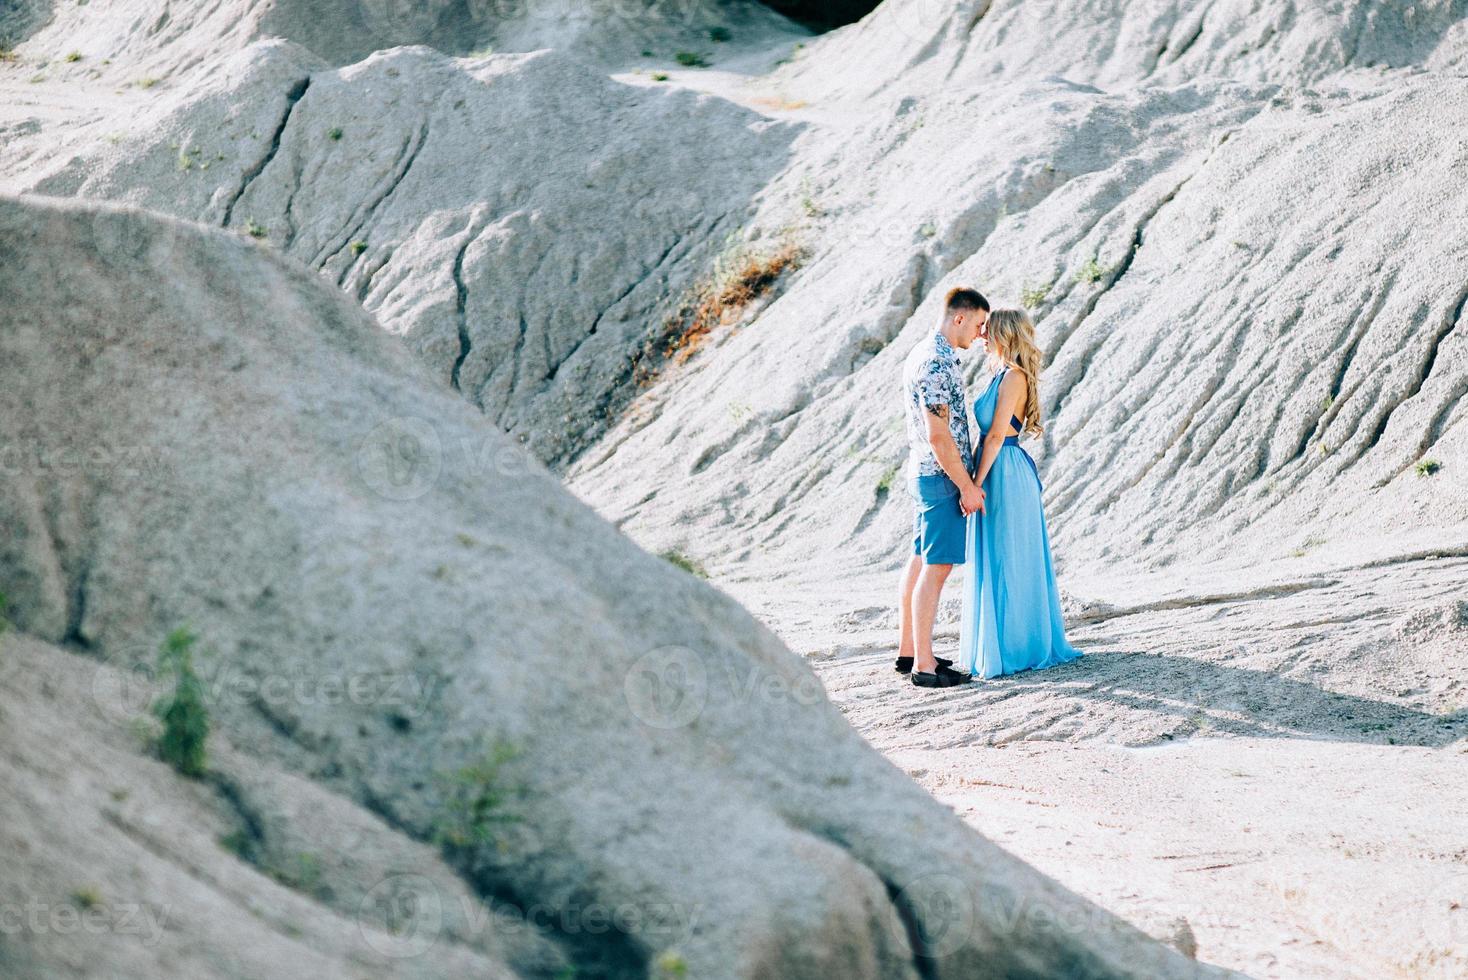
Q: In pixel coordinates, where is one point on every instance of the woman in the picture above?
(1011, 607)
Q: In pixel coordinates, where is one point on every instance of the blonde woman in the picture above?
(1011, 606)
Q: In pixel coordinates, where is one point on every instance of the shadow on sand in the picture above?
(1215, 699)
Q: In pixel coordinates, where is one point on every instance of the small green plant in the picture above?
(1309, 544)
(304, 876)
(7, 51)
(1427, 467)
(73, 56)
(238, 843)
(484, 52)
(147, 81)
(660, 76)
(646, 54)
(1091, 271)
(334, 134)
(810, 207)
(1326, 402)
(476, 798)
(187, 157)
(358, 247)
(184, 716)
(1032, 296)
(885, 481)
(719, 35)
(1325, 449)
(690, 59)
(671, 966)
(254, 229)
(86, 898)
(674, 557)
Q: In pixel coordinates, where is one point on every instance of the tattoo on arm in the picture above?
(939, 412)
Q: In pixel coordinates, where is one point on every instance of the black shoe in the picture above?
(943, 678)
(904, 664)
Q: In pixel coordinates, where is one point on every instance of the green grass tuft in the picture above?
(720, 34)
(674, 557)
(671, 966)
(689, 59)
(358, 247)
(660, 76)
(476, 798)
(885, 481)
(334, 134)
(238, 843)
(86, 898)
(184, 716)
(254, 229)
(1427, 467)
(73, 56)
(1091, 271)
(1032, 296)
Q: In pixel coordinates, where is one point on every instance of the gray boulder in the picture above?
(394, 593)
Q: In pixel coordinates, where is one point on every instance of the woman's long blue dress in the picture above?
(1011, 605)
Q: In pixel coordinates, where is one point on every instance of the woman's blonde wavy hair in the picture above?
(1012, 340)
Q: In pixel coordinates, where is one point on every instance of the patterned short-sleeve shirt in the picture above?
(931, 378)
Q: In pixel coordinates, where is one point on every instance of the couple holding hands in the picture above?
(977, 502)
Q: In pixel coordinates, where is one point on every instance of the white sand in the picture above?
(1286, 770)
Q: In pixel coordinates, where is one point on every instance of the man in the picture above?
(940, 464)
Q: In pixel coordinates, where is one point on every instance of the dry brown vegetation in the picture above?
(740, 277)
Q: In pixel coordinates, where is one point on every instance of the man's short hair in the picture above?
(961, 298)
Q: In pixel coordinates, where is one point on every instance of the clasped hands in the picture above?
(971, 500)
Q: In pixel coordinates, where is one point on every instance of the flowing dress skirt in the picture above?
(1011, 605)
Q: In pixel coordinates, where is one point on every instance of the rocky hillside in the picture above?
(1251, 293)
(1234, 240)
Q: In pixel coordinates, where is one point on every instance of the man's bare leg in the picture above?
(924, 612)
(909, 583)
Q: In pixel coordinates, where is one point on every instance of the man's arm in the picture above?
(945, 450)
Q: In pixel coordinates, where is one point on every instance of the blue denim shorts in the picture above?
(940, 531)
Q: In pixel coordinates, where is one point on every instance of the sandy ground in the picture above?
(1283, 765)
